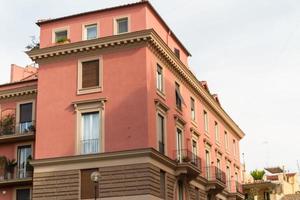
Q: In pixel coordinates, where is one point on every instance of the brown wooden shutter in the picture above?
(87, 185)
(26, 112)
(90, 74)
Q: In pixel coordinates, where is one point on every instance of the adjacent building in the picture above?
(115, 94)
(277, 184)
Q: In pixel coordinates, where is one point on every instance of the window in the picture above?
(226, 141)
(205, 121)
(177, 52)
(219, 172)
(193, 111)
(162, 184)
(228, 176)
(179, 98)
(90, 133)
(179, 144)
(25, 118)
(180, 194)
(194, 152)
(218, 163)
(159, 78)
(87, 185)
(89, 75)
(61, 36)
(23, 194)
(161, 132)
(217, 135)
(266, 196)
(90, 31)
(234, 147)
(197, 195)
(122, 25)
(207, 163)
(24, 154)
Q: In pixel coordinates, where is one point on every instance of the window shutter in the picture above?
(90, 74)
(87, 185)
(26, 112)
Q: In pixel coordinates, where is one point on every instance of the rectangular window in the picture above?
(24, 155)
(234, 147)
(179, 144)
(197, 195)
(205, 121)
(179, 99)
(25, 120)
(161, 132)
(23, 194)
(177, 52)
(194, 152)
(180, 191)
(90, 74)
(61, 36)
(122, 25)
(90, 133)
(162, 184)
(87, 185)
(228, 176)
(226, 140)
(193, 110)
(217, 135)
(207, 163)
(159, 78)
(90, 31)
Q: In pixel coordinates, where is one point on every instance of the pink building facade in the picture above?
(115, 95)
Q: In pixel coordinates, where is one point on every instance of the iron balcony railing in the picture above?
(10, 129)
(186, 156)
(16, 174)
(90, 146)
(213, 173)
(234, 187)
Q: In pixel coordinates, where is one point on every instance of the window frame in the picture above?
(180, 97)
(22, 188)
(89, 107)
(84, 30)
(17, 151)
(162, 89)
(205, 121)
(163, 184)
(18, 111)
(217, 132)
(193, 109)
(56, 30)
(226, 140)
(163, 115)
(99, 88)
(116, 27)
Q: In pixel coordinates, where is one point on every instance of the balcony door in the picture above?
(90, 133)
(194, 151)
(207, 164)
(25, 118)
(24, 155)
(161, 133)
(179, 144)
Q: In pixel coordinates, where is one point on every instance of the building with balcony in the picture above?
(17, 133)
(115, 95)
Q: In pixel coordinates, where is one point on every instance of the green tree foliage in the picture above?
(258, 174)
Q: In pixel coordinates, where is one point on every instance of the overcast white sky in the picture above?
(248, 51)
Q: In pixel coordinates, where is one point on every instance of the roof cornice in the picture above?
(18, 92)
(156, 43)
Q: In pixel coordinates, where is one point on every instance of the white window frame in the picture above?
(217, 132)
(193, 112)
(234, 147)
(89, 107)
(163, 114)
(162, 89)
(226, 140)
(99, 88)
(18, 112)
(54, 31)
(84, 30)
(206, 121)
(115, 21)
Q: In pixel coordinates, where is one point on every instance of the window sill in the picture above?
(89, 90)
(161, 94)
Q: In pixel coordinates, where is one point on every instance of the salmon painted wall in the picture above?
(105, 20)
(6, 193)
(157, 25)
(124, 87)
(169, 100)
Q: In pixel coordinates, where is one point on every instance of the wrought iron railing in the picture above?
(234, 187)
(186, 156)
(90, 146)
(213, 173)
(10, 129)
(16, 173)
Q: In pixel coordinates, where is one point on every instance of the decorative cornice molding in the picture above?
(156, 44)
(18, 92)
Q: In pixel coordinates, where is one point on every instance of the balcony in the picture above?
(188, 164)
(216, 179)
(19, 177)
(10, 133)
(235, 190)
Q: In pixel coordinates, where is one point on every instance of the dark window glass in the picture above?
(26, 112)
(23, 194)
(122, 25)
(161, 132)
(162, 183)
(61, 36)
(178, 96)
(177, 53)
(90, 74)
